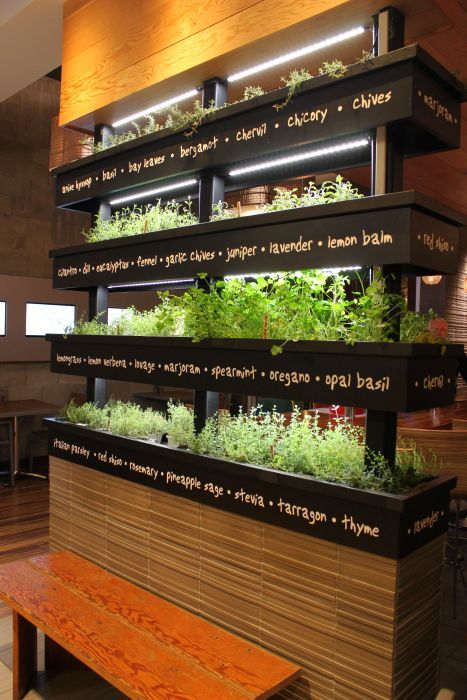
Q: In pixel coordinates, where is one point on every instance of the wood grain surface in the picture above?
(340, 614)
(448, 446)
(114, 49)
(145, 647)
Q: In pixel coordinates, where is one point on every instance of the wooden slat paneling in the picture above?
(337, 612)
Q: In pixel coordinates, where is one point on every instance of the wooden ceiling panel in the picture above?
(126, 50)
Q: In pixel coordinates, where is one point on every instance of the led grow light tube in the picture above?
(297, 157)
(331, 270)
(156, 108)
(311, 48)
(157, 190)
(159, 283)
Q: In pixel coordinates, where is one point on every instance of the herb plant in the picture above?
(189, 120)
(293, 82)
(417, 328)
(328, 192)
(87, 414)
(335, 454)
(366, 58)
(221, 211)
(334, 69)
(180, 425)
(118, 417)
(337, 190)
(307, 305)
(252, 91)
(131, 221)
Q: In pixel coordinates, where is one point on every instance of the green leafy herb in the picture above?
(306, 305)
(293, 82)
(334, 69)
(131, 221)
(189, 120)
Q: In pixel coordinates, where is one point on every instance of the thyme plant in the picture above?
(131, 221)
(300, 446)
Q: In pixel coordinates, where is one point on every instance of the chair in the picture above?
(8, 424)
(450, 448)
(36, 438)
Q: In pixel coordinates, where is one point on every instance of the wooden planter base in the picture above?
(360, 625)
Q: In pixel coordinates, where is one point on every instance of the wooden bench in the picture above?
(141, 644)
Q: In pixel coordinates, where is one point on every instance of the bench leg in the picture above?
(24, 655)
(59, 659)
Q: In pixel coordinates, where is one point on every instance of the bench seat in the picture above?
(141, 644)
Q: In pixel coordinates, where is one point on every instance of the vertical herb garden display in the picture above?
(242, 325)
(418, 102)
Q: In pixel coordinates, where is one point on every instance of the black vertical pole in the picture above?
(386, 176)
(102, 134)
(214, 92)
(96, 388)
(98, 306)
(211, 191)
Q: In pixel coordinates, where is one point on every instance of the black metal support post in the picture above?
(386, 176)
(96, 388)
(102, 133)
(214, 92)
(211, 191)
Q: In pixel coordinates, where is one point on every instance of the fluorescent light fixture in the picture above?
(285, 58)
(159, 283)
(254, 275)
(157, 190)
(156, 108)
(297, 157)
(336, 270)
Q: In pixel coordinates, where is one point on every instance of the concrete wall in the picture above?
(29, 222)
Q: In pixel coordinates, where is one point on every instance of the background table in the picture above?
(14, 410)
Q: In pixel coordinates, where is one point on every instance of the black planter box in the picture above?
(382, 376)
(406, 229)
(385, 524)
(406, 88)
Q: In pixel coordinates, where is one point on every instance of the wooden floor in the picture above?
(24, 521)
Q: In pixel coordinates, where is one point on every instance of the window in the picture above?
(49, 318)
(2, 317)
(115, 314)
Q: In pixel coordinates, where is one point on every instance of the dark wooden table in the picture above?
(14, 410)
